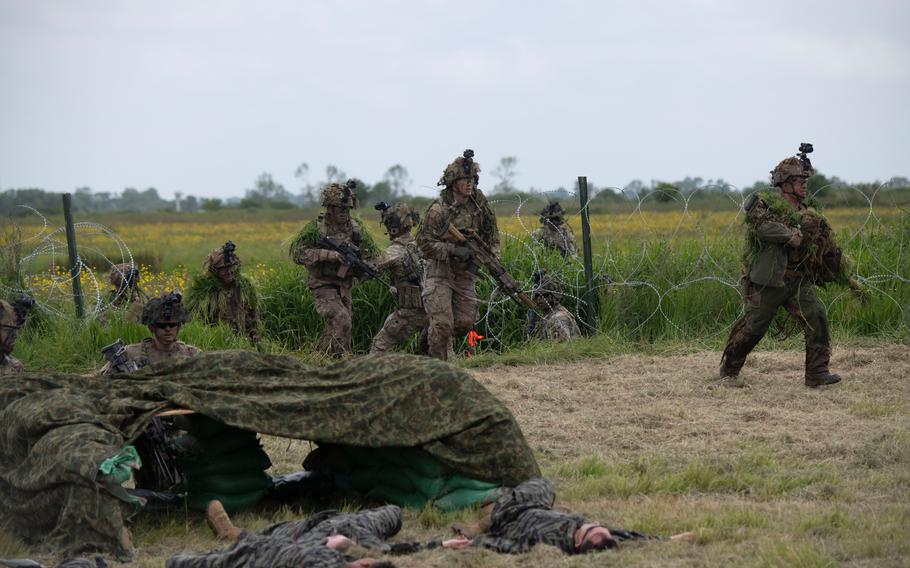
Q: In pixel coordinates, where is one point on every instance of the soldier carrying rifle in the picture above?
(335, 249)
(448, 296)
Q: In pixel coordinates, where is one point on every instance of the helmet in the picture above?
(553, 210)
(165, 308)
(13, 314)
(789, 167)
(338, 194)
(548, 286)
(463, 167)
(222, 257)
(401, 216)
(124, 276)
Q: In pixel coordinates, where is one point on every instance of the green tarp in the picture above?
(56, 429)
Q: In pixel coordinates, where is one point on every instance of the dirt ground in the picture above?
(768, 474)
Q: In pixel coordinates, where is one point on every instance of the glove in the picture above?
(462, 253)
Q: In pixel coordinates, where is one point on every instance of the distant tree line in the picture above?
(395, 183)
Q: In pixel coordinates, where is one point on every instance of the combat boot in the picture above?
(220, 522)
(821, 379)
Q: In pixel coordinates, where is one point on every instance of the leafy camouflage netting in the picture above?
(56, 429)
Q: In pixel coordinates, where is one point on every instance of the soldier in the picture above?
(316, 541)
(556, 322)
(12, 317)
(791, 250)
(523, 517)
(403, 262)
(222, 294)
(164, 316)
(126, 295)
(555, 233)
(448, 296)
(330, 277)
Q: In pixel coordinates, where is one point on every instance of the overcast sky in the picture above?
(202, 97)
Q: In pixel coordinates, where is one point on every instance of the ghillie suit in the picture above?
(790, 250)
(555, 233)
(448, 295)
(329, 277)
(215, 298)
(12, 318)
(402, 261)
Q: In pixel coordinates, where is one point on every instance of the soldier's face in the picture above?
(166, 332)
(796, 186)
(339, 214)
(227, 274)
(464, 187)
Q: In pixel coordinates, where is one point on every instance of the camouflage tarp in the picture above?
(55, 429)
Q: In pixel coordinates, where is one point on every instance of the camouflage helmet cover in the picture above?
(165, 308)
(552, 210)
(401, 216)
(464, 167)
(12, 314)
(548, 286)
(124, 275)
(222, 257)
(338, 194)
(787, 168)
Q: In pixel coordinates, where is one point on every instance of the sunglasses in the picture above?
(167, 325)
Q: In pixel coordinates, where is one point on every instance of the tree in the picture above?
(212, 204)
(334, 174)
(505, 173)
(398, 180)
(266, 192)
(306, 190)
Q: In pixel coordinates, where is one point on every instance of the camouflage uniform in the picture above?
(403, 262)
(448, 295)
(329, 279)
(523, 517)
(12, 317)
(782, 273)
(234, 303)
(295, 542)
(145, 353)
(556, 322)
(555, 233)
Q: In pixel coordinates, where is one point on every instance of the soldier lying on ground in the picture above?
(317, 541)
(164, 316)
(12, 317)
(524, 516)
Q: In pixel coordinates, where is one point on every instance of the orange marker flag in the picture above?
(473, 339)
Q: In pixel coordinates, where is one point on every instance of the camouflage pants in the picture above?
(452, 307)
(258, 550)
(400, 325)
(798, 297)
(334, 304)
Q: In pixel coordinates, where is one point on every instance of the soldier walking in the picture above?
(448, 296)
(330, 277)
(791, 249)
(402, 260)
(222, 294)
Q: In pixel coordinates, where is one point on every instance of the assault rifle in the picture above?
(485, 257)
(116, 354)
(351, 256)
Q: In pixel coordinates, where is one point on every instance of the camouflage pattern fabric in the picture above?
(10, 365)
(145, 353)
(559, 238)
(369, 528)
(448, 295)
(57, 428)
(558, 325)
(403, 263)
(257, 551)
